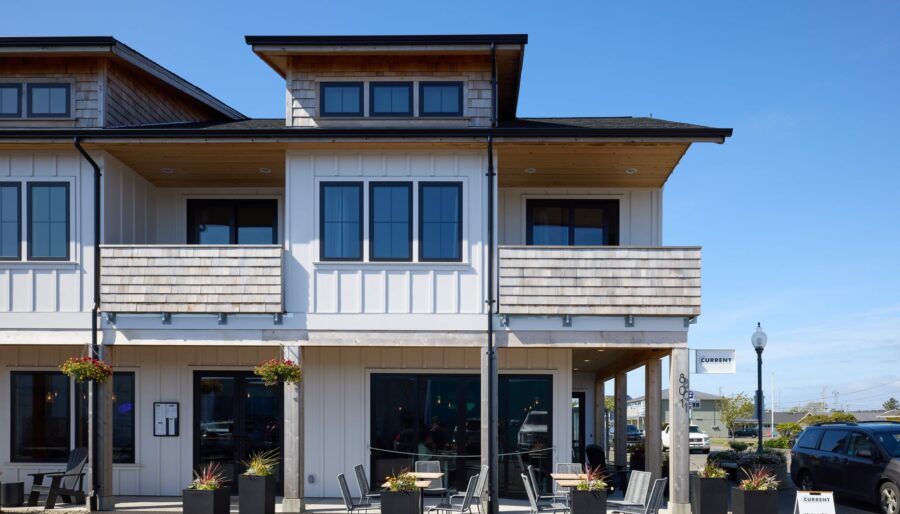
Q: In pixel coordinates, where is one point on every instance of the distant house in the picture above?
(890, 415)
(780, 417)
(706, 412)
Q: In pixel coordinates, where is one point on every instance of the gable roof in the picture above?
(108, 46)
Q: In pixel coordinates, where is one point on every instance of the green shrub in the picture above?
(738, 446)
(778, 442)
(766, 458)
(788, 430)
(723, 456)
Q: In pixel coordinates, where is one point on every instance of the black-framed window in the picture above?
(39, 421)
(49, 101)
(440, 99)
(10, 100)
(440, 221)
(232, 221)
(122, 416)
(560, 222)
(390, 221)
(341, 98)
(340, 221)
(10, 221)
(48, 221)
(390, 99)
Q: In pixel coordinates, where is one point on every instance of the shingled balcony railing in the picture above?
(600, 281)
(191, 279)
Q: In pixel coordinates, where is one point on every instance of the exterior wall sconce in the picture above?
(110, 317)
(278, 319)
(504, 320)
(166, 318)
(567, 320)
(629, 320)
(690, 321)
(223, 318)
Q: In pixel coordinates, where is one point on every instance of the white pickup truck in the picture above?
(698, 439)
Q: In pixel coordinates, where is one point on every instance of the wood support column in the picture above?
(600, 413)
(621, 420)
(489, 383)
(653, 417)
(679, 444)
(294, 474)
(104, 437)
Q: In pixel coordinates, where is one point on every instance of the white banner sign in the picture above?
(714, 361)
(814, 502)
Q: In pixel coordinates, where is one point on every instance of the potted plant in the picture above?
(402, 496)
(709, 490)
(773, 460)
(83, 369)
(257, 484)
(756, 494)
(276, 371)
(589, 496)
(207, 493)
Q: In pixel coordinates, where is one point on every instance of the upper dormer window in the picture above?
(342, 98)
(390, 99)
(10, 100)
(440, 99)
(48, 101)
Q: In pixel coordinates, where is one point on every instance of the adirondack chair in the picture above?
(63, 484)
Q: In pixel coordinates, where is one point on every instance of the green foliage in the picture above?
(766, 458)
(261, 464)
(723, 456)
(891, 404)
(209, 478)
(275, 371)
(738, 446)
(596, 480)
(788, 430)
(833, 417)
(83, 369)
(759, 478)
(778, 442)
(712, 470)
(734, 408)
(403, 481)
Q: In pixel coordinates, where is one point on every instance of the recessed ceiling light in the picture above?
(265, 170)
(574, 369)
(587, 360)
(530, 170)
(599, 349)
(631, 171)
(168, 171)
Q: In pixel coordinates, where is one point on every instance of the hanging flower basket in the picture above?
(83, 369)
(275, 371)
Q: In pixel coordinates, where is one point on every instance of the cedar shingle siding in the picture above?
(134, 100)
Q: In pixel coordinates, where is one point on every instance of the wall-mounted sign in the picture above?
(714, 361)
(165, 419)
(814, 502)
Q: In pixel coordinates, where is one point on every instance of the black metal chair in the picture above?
(365, 494)
(540, 508)
(63, 484)
(349, 504)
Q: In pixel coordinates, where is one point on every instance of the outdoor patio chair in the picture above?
(465, 505)
(63, 484)
(436, 486)
(651, 506)
(545, 498)
(480, 488)
(537, 508)
(636, 494)
(348, 500)
(365, 494)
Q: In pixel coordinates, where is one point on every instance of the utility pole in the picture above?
(824, 388)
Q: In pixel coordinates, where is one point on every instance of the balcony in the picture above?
(195, 279)
(600, 281)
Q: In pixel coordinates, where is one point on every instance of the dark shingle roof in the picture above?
(605, 122)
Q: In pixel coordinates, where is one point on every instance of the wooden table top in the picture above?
(568, 483)
(568, 476)
(423, 479)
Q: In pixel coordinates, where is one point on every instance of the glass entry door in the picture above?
(234, 416)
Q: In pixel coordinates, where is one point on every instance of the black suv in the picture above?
(861, 460)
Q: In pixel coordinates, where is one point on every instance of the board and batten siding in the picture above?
(129, 204)
(362, 288)
(162, 374)
(337, 397)
(31, 289)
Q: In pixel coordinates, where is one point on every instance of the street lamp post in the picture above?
(759, 340)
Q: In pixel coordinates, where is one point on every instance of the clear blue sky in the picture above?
(798, 213)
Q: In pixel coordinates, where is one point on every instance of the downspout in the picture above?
(493, 503)
(95, 313)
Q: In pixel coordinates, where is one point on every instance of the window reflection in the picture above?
(40, 416)
(572, 222)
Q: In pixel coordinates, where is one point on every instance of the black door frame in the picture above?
(581, 396)
(239, 417)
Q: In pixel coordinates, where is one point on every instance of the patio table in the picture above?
(423, 480)
(568, 476)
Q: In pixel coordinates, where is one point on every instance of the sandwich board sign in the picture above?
(814, 502)
(714, 361)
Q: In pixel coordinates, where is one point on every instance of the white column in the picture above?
(293, 438)
(679, 447)
(621, 438)
(653, 417)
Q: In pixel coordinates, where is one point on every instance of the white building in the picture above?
(399, 214)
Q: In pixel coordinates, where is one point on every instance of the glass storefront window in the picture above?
(40, 416)
(123, 416)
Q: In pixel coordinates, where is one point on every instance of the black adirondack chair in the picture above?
(63, 484)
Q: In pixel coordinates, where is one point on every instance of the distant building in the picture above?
(706, 413)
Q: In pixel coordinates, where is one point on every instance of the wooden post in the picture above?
(652, 417)
(487, 430)
(621, 438)
(294, 478)
(679, 444)
(103, 468)
(600, 412)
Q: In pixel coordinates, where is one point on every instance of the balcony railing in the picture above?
(602, 281)
(231, 279)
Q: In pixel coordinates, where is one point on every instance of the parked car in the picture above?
(634, 435)
(860, 460)
(698, 439)
(534, 430)
(746, 432)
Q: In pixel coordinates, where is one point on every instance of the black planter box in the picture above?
(709, 495)
(754, 502)
(257, 494)
(206, 502)
(400, 502)
(587, 502)
(12, 494)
